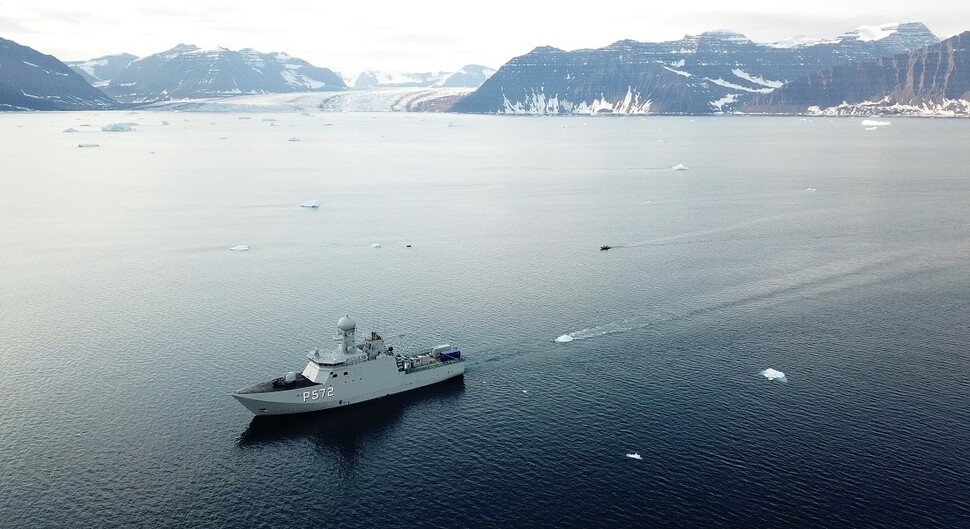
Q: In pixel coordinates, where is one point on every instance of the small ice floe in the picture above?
(269, 119)
(223, 137)
(164, 123)
(244, 117)
(564, 338)
(376, 245)
(773, 374)
(634, 455)
(810, 189)
(680, 167)
(525, 391)
(871, 128)
(310, 204)
(88, 145)
(874, 123)
(119, 127)
(70, 129)
(293, 138)
(240, 248)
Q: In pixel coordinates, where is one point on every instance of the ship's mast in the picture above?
(346, 328)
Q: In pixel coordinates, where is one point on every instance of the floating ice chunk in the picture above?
(70, 129)
(164, 123)
(874, 123)
(525, 391)
(376, 245)
(680, 167)
(310, 204)
(86, 145)
(240, 248)
(634, 455)
(810, 189)
(119, 127)
(564, 338)
(871, 128)
(293, 138)
(773, 374)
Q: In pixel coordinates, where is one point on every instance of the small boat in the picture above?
(605, 247)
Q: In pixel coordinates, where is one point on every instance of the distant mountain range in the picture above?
(717, 71)
(889, 69)
(30, 80)
(470, 76)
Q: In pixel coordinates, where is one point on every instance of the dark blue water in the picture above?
(838, 255)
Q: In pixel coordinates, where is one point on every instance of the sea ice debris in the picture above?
(634, 455)
(70, 129)
(240, 248)
(680, 167)
(293, 138)
(376, 245)
(874, 123)
(310, 204)
(871, 128)
(564, 338)
(118, 127)
(774, 374)
(86, 145)
(810, 189)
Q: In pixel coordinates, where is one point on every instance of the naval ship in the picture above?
(350, 374)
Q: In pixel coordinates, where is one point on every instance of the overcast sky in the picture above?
(408, 36)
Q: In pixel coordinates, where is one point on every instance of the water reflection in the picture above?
(345, 429)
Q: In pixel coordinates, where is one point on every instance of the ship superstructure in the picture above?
(350, 373)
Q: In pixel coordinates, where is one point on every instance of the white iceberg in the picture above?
(680, 167)
(810, 189)
(119, 127)
(564, 338)
(240, 248)
(634, 455)
(774, 374)
(310, 204)
(874, 123)
(871, 128)
(376, 245)
(87, 145)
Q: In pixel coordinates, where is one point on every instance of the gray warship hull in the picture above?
(350, 374)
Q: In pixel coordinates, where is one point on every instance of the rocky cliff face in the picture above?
(716, 71)
(934, 79)
(187, 72)
(30, 80)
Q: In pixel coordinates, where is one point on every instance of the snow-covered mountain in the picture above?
(100, 71)
(30, 80)
(716, 71)
(187, 72)
(934, 80)
(469, 76)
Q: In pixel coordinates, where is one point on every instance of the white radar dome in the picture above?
(346, 324)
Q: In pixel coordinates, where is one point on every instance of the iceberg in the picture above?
(376, 245)
(874, 123)
(680, 167)
(310, 204)
(240, 248)
(119, 127)
(773, 374)
(564, 338)
(871, 128)
(634, 455)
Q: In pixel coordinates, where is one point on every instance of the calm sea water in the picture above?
(836, 254)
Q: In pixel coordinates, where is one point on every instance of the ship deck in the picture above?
(277, 384)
